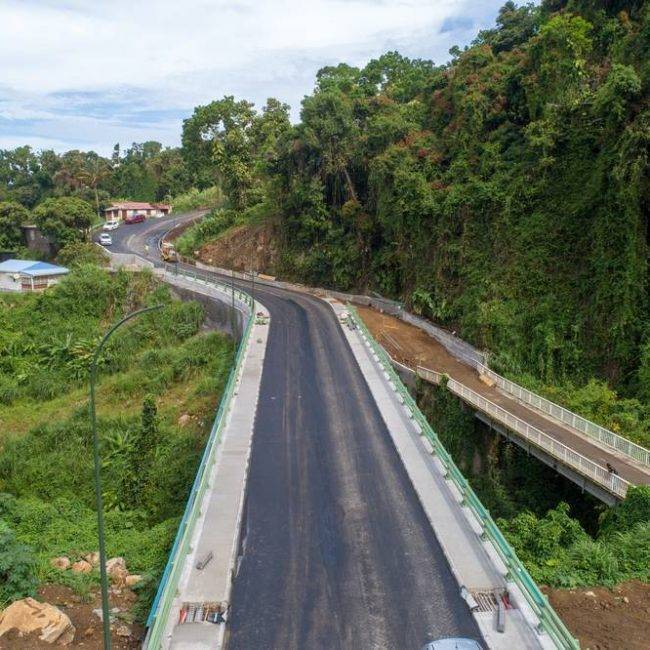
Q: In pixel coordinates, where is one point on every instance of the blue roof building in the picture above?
(29, 275)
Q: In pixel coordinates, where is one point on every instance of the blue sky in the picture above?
(86, 74)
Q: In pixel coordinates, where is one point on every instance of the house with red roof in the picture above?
(119, 211)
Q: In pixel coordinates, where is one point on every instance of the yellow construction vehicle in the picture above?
(168, 252)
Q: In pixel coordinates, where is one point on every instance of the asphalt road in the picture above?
(338, 551)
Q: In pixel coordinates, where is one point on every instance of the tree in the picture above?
(94, 171)
(331, 133)
(18, 168)
(64, 219)
(12, 216)
(143, 443)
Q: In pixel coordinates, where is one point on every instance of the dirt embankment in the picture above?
(84, 615)
(606, 620)
(241, 247)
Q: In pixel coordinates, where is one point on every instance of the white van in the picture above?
(111, 225)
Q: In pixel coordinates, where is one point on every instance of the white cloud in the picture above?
(174, 55)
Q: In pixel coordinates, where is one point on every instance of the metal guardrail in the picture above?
(549, 622)
(168, 586)
(611, 482)
(591, 429)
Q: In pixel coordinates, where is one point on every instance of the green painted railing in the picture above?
(161, 608)
(549, 622)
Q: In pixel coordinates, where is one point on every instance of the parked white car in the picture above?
(105, 239)
(111, 225)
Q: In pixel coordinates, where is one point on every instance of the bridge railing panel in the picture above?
(591, 429)
(549, 622)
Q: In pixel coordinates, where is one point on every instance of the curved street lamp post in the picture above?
(98, 487)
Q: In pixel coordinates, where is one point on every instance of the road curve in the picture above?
(338, 550)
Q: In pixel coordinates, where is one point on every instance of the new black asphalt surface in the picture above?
(338, 552)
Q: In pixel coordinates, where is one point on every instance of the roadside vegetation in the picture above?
(503, 195)
(160, 381)
(209, 198)
(500, 194)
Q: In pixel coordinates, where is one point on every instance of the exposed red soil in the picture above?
(242, 246)
(87, 624)
(606, 620)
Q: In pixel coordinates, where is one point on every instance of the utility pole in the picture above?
(98, 485)
(253, 280)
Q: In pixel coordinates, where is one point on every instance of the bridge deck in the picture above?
(412, 346)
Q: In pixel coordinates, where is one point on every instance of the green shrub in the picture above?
(194, 199)
(17, 567)
(627, 514)
(80, 253)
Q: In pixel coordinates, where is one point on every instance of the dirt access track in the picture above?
(414, 347)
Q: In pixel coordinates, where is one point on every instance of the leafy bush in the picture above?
(558, 552)
(210, 227)
(17, 567)
(80, 253)
(194, 199)
(627, 514)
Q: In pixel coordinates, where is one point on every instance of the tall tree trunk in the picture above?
(97, 201)
(348, 180)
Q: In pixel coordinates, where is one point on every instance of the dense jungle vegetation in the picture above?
(155, 370)
(504, 194)
(144, 171)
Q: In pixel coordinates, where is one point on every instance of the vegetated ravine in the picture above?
(159, 383)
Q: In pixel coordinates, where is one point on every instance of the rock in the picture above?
(116, 569)
(132, 580)
(123, 630)
(28, 615)
(119, 576)
(82, 567)
(115, 563)
(92, 558)
(626, 600)
(184, 420)
(488, 381)
(62, 563)
(591, 594)
(112, 613)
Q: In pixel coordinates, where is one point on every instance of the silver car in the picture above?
(105, 239)
(453, 643)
